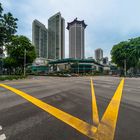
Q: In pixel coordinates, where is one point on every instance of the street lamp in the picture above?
(78, 67)
(25, 62)
(125, 67)
(1, 57)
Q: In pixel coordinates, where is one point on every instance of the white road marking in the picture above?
(2, 137)
(0, 127)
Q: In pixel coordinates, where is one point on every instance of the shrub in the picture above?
(11, 77)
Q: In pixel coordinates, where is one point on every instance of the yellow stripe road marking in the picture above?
(74, 122)
(95, 116)
(106, 128)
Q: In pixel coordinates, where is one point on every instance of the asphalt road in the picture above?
(21, 120)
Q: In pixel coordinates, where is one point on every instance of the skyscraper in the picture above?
(39, 38)
(76, 39)
(99, 54)
(56, 37)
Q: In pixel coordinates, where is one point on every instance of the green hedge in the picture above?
(11, 77)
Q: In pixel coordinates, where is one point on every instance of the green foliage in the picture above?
(127, 50)
(8, 26)
(135, 44)
(1, 9)
(18, 47)
(9, 62)
(11, 77)
(138, 65)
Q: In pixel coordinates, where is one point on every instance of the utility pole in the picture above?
(78, 67)
(1, 57)
(125, 67)
(25, 62)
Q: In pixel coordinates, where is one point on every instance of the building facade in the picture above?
(99, 55)
(67, 65)
(76, 39)
(40, 38)
(105, 61)
(72, 65)
(56, 37)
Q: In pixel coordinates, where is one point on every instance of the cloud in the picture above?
(109, 21)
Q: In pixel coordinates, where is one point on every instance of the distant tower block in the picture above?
(76, 39)
(40, 38)
(99, 54)
(56, 37)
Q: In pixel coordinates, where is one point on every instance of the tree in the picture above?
(9, 63)
(8, 26)
(1, 9)
(128, 51)
(135, 44)
(18, 47)
(119, 53)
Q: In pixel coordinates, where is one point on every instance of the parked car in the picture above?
(66, 75)
(75, 75)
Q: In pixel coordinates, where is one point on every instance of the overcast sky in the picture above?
(109, 21)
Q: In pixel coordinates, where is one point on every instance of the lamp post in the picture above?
(125, 67)
(25, 62)
(78, 67)
(1, 57)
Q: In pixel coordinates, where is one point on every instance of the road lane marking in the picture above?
(2, 137)
(107, 125)
(81, 126)
(95, 115)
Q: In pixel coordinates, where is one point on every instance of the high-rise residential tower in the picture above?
(76, 39)
(99, 54)
(56, 37)
(40, 38)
